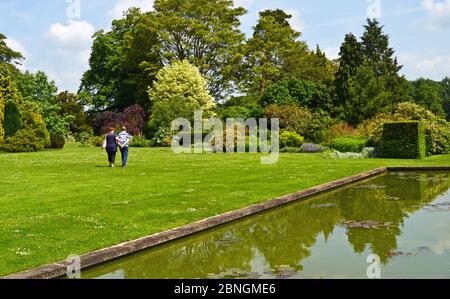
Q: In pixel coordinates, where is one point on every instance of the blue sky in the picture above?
(56, 38)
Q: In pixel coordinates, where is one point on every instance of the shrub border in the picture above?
(59, 269)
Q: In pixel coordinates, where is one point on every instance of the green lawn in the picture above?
(57, 203)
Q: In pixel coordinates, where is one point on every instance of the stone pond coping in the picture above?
(59, 269)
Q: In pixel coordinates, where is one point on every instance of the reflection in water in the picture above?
(330, 235)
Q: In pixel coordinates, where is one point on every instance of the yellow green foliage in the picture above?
(179, 90)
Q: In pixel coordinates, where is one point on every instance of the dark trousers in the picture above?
(124, 152)
(112, 157)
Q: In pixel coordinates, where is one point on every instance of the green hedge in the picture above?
(139, 141)
(348, 144)
(403, 140)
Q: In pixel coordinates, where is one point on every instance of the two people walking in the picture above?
(112, 142)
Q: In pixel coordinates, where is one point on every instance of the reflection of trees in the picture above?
(402, 194)
(285, 236)
(193, 257)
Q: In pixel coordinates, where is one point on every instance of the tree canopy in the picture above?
(368, 80)
(179, 91)
(7, 55)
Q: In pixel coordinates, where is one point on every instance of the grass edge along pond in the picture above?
(57, 203)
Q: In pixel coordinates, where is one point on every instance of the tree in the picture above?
(368, 82)
(350, 59)
(123, 63)
(37, 88)
(8, 93)
(367, 94)
(8, 86)
(70, 106)
(133, 118)
(429, 94)
(240, 107)
(204, 32)
(299, 120)
(375, 48)
(446, 95)
(297, 92)
(180, 90)
(266, 53)
(105, 120)
(7, 55)
(139, 64)
(311, 66)
(2, 117)
(13, 119)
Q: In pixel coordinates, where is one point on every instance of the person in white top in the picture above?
(124, 142)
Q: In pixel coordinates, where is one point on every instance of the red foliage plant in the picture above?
(133, 118)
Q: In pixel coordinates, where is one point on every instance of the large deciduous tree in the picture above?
(204, 32)
(446, 95)
(302, 93)
(311, 66)
(266, 52)
(123, 63)
(70, 106)
(429, 94)
(37, 88)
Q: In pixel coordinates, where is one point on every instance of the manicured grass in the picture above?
(57, 203)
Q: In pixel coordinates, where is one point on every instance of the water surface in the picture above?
(403, 218)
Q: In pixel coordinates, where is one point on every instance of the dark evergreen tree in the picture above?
(368, 81)
(13, 119)
(376, 50)
(351, 58)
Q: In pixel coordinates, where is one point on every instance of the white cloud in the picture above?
(418, 65)
(74, 35)
(438, 12)
(71, 49)
(123, 5)
(332, 52)
(16, 46)
(296, 22)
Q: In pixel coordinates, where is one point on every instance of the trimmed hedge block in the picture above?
(403, 140)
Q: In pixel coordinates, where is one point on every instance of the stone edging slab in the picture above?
(59, 269)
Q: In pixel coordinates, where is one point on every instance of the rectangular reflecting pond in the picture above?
(401, 218)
